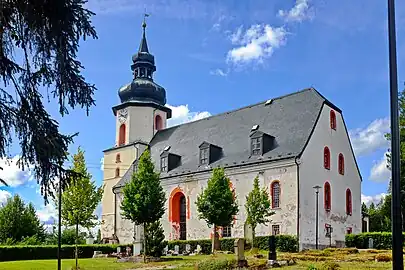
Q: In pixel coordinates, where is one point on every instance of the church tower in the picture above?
(138, 117)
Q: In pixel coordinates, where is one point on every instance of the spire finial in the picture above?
(144, 46)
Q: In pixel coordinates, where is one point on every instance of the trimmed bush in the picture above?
(15, 253)
(215, 264)
(383, 257)
(381, 240)
(330, 266)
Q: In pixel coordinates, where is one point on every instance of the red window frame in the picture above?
(348, 202)
(341, 164)
(327, 196)
(332, 120)
(272, 188)
(121, 137)
(117, 172)
(326, 158)
(158, 122)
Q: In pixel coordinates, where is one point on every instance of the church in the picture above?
(297, 145)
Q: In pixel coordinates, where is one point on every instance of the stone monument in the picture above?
(239, 246)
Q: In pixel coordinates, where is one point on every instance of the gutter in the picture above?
(297, 162)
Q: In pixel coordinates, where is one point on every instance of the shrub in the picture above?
(383, 257)
(381, 240)
(312, 267)
(330, 265)
(217, 264)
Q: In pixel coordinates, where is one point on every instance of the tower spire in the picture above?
(143, 47)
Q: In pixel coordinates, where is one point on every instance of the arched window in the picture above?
(275, 194)
(348, 202)
(121, 137)
(117, 172)
(341, 164)
(158, 122)
(118, 158)
(326, 158)
(332, 120)
(327, 196)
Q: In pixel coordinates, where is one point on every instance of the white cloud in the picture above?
(181, 114)
(102, 164)
(256, 43)
(4, 195)
(371, 138)
(47, 214)
(219, 72)
(12, 174)
(379, 172)
(300, 12)
(369, 199)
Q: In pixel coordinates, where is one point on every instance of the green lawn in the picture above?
(188, 262)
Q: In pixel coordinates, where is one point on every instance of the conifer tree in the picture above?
(144, 198)
(80, 199)
(216, 204)
(258, 207)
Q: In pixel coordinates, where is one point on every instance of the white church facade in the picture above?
(292, 143)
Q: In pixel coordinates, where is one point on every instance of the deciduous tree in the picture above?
(80, 198)
(258, 207)
(144, 199)
(216, 204)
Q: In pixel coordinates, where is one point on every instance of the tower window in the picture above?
(332, 120)
(348, 202)
(256, 146)
(163, 164)
(275, 194)
(327, 196)
(117, 172)
(341, 164)
(118, 158)
(326, 158)
(204, 154)
(226, 231)
(121, 137)
(158, 122)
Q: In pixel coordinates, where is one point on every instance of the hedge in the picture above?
(284, 243)
(381, 240)
(15, 253)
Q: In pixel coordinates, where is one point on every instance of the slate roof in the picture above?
(290, 119)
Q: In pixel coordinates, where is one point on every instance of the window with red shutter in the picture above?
(341, 164)
(348, 202)
(327, 196)
(332, 120)
(326, 158)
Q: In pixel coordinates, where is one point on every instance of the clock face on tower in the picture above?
(122, 115)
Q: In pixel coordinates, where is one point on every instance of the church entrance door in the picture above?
(183, 227)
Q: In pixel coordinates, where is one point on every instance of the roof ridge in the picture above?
(239, 109)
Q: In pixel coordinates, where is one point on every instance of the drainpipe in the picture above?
(297, 162)
(153, 123)
(115, 213)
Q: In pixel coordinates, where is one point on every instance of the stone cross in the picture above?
(199, 249)
(370, 243)
(176, 249)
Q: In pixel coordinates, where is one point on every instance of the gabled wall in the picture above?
(312, 173)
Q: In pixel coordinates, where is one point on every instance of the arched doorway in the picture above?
(179, 215)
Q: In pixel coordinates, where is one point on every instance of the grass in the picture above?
(346, 258)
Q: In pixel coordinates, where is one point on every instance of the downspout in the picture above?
(115, 213)
(297, 162)
(153, 123)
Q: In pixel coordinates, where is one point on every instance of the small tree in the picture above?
(80, 199)
(257, 207)
(216, 204)
(155, 239)
(144, 198)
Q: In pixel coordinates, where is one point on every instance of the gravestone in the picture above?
(165, 250)
(188, 248)
(118, 250)
(199, 249)
(272, 248)
(128, 251)
(370, 243)
(248, 233)
(176, 250)
(239, 246)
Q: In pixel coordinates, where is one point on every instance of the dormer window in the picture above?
(163, 164)
(260, 143)
(256, 146)
(168, 161)
(204, 154)
(209, 153)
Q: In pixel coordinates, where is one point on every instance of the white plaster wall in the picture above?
(312, 172)
(242, 180)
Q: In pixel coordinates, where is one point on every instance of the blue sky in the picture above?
(215, 56)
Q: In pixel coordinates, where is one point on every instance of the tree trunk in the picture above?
(213, 239)
(144, 242)
(253, 237)
(77, 236)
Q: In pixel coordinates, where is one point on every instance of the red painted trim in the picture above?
(158, 122)
(121, 135)
(272, 193)
(341, 164)
(326, 158)
(327, 195)
(332, 120)
(349, 202)
(172, 199)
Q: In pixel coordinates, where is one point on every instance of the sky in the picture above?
(216, 56)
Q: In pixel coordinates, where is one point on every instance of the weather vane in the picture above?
(144, 18)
